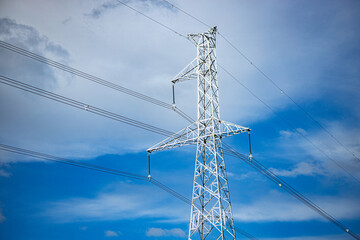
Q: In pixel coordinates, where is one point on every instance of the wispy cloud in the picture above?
(110, 233)
(162, 232)
(278, 207)
(113, 4)
(329, 237)
(4, 173)
(116, 206)
(300, 169)
(310, 161)
(27, 36)
(97, 12)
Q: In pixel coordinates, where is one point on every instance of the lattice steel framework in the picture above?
(211, 213)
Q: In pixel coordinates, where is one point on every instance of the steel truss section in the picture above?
(211, 214)
(190, 136)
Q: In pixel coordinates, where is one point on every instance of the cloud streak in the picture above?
(110, 233)
(113, 4)
(300, 169)
(116, 206)
(162, 232)
(278, 208)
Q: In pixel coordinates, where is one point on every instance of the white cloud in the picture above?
(110, 233)
(125, 203)
(161, 232)
(310, 161)
(4, 173)
(287, 133)
(300, 169)
(278, 207)
(329, 237)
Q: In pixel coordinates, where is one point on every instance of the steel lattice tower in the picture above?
(211, 213)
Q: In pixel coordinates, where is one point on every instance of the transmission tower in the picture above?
(211, 214)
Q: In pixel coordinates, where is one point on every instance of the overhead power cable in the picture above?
(291, 126)
(152, 19)
(70, 162)
(284, 185)
(82, 106)
(87, 107)
(92, 78)
(112, 171)
(282, 91)
(84, 75)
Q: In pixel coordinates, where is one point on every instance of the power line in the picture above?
(82, 106)
(282, 91)
(89, 108)
(92, 78)
(152, 19)
(290, 125)
(188, 14)
(112, 171)
(84, 75)
(70, 162)
(284, 185)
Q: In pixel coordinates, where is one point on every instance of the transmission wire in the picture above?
(290, 125)
(152, 19)
(48, 157)
(92, 78)
(112, 171)
(83, 106)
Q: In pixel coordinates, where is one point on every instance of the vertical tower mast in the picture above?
(211, 213)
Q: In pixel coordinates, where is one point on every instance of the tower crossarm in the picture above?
(186, 136)
(190, 135)
(229, 129)
(188, 73)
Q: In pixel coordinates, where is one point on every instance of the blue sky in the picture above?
(311, 50)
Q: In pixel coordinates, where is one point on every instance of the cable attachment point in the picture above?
(149, 174)
(250, 153)
(173, 92)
